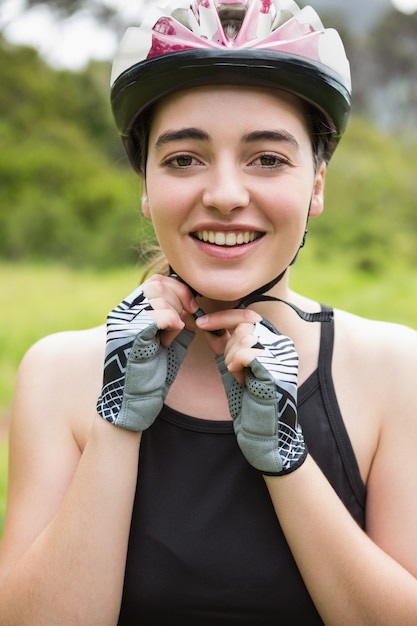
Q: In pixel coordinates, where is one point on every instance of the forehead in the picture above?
(217, 107)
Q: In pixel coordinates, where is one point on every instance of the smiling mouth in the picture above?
(219, 238)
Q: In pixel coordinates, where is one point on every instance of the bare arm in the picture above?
(349, 577)
(73, 474)
(355, 577)
(65, 540)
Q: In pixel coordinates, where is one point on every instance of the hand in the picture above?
(138, 369)
(264, 407)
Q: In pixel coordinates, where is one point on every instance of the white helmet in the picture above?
(270, 43)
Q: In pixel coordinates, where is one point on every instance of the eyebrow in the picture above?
(252, 137)
(282, 136)
(182, 133)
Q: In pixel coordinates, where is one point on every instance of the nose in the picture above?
(225, 189)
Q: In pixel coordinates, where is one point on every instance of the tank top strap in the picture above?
(333, 411)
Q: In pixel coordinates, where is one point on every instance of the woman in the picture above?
(256, 461)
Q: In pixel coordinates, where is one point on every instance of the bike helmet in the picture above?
(270, 43)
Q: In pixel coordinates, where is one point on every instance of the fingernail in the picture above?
(203, 320)
(201, 316)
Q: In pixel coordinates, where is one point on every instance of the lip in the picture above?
(225, 251)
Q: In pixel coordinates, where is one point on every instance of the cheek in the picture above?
(168, 202)
(288, 206)
(164, 207)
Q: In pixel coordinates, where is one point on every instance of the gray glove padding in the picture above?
(264, 408)
(138, 370)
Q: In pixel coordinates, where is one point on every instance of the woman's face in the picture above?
(230, 181)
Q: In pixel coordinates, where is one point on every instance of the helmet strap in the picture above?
(259, 296)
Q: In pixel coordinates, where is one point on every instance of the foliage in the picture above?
(65, 193)
(370, 218)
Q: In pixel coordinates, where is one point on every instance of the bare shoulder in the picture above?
(57, 386)
(376, 362)
(61, 375)
(63, 349)
(372, 341)
(71, 342)
(374, 366)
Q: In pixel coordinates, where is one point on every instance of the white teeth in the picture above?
(226, 239)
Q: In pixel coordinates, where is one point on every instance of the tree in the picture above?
(66, 192)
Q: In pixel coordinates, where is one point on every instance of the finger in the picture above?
(168, 299)
(167, 337)
(241, 358)
(243, 336)
(239, 376)
(167, 320)
(228, 319)
(200, 313)
(161, 296)
(178, 293)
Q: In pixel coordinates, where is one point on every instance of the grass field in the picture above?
(39, 300)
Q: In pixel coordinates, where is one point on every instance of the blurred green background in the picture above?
(72, 238)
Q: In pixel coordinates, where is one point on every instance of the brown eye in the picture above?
(268, 160)
(271, 160)
(184, 160)
(180, 161)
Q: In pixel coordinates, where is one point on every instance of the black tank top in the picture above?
(205, 545)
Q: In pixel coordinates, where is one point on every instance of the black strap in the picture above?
(325, 315)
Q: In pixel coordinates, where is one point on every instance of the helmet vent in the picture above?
(231, 17)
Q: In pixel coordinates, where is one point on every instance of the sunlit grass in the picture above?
(388, 295)
(38, 300)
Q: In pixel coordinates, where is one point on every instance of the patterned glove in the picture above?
(138, 370)
(264, 409)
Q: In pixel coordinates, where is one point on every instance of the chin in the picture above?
(225, 290)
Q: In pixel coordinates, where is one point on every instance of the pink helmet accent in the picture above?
(260, 42)
(301, 34)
